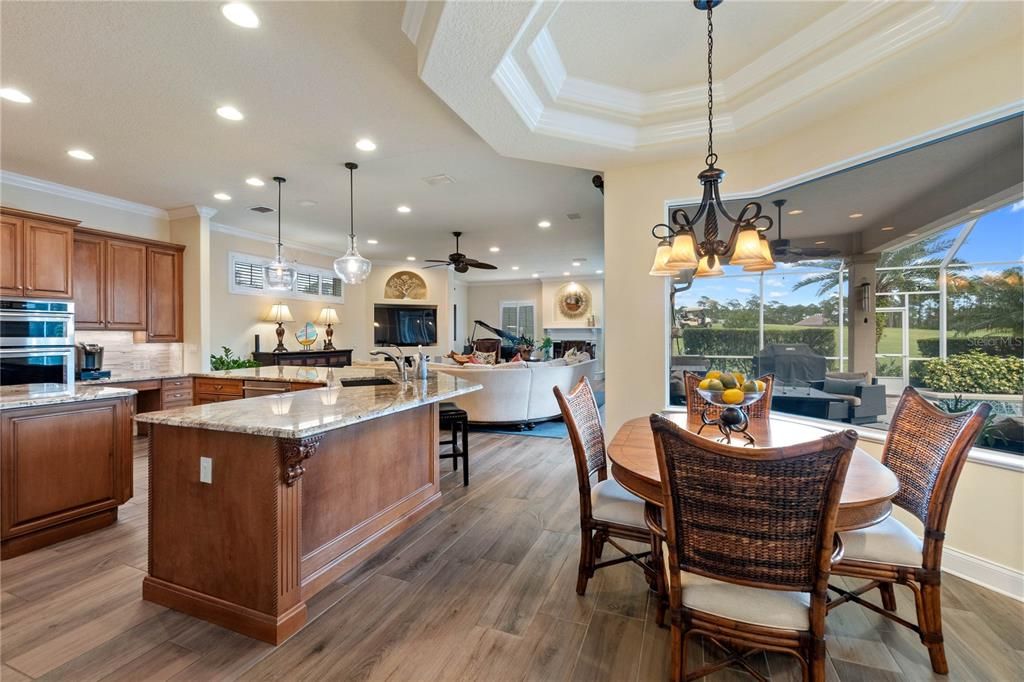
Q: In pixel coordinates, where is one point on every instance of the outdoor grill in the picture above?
(792, 363)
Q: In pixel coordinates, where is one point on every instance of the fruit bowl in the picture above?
(729, 391)
(715, 398)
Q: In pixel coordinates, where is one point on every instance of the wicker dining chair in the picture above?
(607, 510)
(749, 540)
(926, 449)
(760, 409)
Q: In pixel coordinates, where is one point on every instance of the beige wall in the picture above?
(437, 280)
(485, 303)
(552, 316)
(987, 513)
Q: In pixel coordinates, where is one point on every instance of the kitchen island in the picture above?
(257, 504)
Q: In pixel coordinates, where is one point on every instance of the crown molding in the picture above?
(191, 212)
(68, 192)
(412, 19)
(271, 239)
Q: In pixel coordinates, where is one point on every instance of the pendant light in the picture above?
(352, 268)
(743, 245)
(278, 275)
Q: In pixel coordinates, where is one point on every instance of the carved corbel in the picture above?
(294, 453)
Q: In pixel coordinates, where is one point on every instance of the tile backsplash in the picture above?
(120, 352)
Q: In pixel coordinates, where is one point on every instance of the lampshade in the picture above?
(684, 252)
(705, 270)
(661, 256)
(352, 268)
(328, 316)
(767, 262)
(279, 313)
(748, 248)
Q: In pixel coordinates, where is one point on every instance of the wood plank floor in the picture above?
(483, 589)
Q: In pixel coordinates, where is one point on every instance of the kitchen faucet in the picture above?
(399, 361)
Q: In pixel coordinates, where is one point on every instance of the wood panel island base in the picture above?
(298, 490)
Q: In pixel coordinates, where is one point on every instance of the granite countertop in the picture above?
(35, 395)
(311, 412)
(291, 374)
(126, 375)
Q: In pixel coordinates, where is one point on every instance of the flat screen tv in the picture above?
(404, 325)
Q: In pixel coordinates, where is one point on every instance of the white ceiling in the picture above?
(137, 85)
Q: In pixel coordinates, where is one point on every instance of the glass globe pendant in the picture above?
(277, 274)
(352, 268)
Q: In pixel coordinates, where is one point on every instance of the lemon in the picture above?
(760, 385)
(704, 384)
(714, 385)
(750, 386)
(732, 396)
(713, 374)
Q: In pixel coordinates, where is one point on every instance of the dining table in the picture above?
(867, 493)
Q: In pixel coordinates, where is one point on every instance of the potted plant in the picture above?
(524, 346)
(546, 346)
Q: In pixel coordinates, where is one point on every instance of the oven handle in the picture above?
(35, 315)
(53, 350)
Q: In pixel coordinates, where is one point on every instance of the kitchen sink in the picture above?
(369, 381)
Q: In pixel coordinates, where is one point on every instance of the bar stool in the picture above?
(456, 419)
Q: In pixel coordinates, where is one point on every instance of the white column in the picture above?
(190, 225)
(860, 314)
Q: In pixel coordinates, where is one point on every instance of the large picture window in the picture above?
(245, 276)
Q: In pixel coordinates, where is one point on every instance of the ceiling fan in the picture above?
(459, 260)
(782, 251)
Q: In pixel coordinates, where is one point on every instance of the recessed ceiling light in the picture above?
(819, 243)
(372, 241)
(221, 196)
(240, 14)
(15, 95)
(888, 228)
(80, 154)
(308, 203)
(566, 274)
(255, 182)
(544, 223)
(856, 215)
(515, 267)
(795, 211)
(410, 258)
(230, 113)
(976, 210)
(366, 145)
(535, 275)
(599, 272)
(576, 263)
(494, 249)
(404, 209)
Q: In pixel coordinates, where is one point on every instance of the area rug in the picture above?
(552, 429)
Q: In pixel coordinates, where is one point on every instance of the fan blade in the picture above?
(439, 265)
(434, 260)
(482, 266)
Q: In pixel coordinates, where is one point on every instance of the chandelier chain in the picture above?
(712, 157)
(351, 206)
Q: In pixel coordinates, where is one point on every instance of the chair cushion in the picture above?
(754, 605)
(841, 386)
(888, 542)
(609, 501)
(851, 399)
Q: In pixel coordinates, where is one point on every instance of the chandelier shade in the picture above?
(352, 268)
(767, 262)
(684, 251)
(709, 266)
(661, 268)
(748, 248)
(277, 274)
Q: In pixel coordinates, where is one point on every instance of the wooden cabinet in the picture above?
(90, 283)
(65, 469)
(126, 285)
(36, 255)
(164, 292)
(306, 358)
(208, 390)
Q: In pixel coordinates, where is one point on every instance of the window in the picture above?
(517, 317)
(246, 277)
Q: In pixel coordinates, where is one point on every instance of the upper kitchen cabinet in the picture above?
(36, 255)
(90, 282)
(126, 285)
(165, 293)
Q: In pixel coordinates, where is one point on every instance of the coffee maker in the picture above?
(89, 362)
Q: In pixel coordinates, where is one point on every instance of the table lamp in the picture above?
(279, 313)
(328, 316)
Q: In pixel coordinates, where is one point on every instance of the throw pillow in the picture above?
(458, 359)
(484, 358)
(518, 357)
(471, 360)
(842, 386)
(572, 356)
(511, 365)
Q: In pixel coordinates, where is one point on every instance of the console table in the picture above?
(306, 358)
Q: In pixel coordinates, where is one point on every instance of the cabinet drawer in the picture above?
(232, 387)
(205, 398)
(180, 395)
(180, 383)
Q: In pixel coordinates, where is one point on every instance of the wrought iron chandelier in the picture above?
(679, 253)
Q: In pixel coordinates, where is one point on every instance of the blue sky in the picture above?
(997, 237)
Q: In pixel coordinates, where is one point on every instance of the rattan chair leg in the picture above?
(888, 596)
(599, 539)
(586, 570)
(930, 622)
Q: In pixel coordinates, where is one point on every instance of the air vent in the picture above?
(441, 179)
(261, 209)
(573, 216)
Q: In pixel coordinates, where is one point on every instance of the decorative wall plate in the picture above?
(405, 285)
(573, 300)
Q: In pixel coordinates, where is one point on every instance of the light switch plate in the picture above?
(205, 470)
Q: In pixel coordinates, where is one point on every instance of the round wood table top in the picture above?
(867, 493)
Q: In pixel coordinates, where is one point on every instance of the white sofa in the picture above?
(519, 393)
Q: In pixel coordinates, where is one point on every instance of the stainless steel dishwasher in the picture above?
(254, 389)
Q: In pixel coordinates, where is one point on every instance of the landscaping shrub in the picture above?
(975, 372)
(712, 341)
(1003, 346)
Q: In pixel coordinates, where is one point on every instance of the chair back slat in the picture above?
(695, 404)
(754, 516)
(926, 448)
(586, 433)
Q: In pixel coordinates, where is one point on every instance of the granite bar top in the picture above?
(291, 374)
(311, 412)
(125, 376)
(36, 395)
